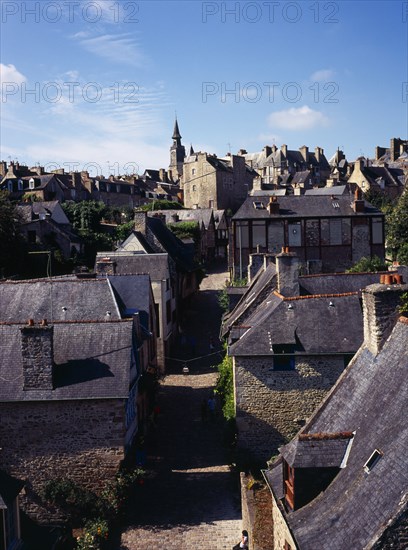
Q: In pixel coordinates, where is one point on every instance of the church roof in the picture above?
(176, 131)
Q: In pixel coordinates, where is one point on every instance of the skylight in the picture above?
(372, 461)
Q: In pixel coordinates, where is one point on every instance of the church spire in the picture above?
(176, 132)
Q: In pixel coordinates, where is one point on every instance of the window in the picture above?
(168, 311)
(283, 358)
(377, 230)
(211, 203)
(193, 171)
(31, 184)
(258, 234)
(335, 232)
(294, 234)
(372, 461)
(157, 311)
(242, 235)
(194, 188)
(312, 232)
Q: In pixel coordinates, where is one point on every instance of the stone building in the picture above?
(289, 342)
(75, 389)
(328, 233)
(341, 482)
(219, 183)
(276, 166)
(380, 179)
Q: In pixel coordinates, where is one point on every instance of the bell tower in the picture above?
(177, 153)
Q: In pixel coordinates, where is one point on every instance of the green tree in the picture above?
(11, 243)
(161, 204)
(397, 230)
(368, 264)
(225, 387)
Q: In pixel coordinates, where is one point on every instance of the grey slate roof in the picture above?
(45, 299)
(336, 190)
(92, 361)
(336, 283)
(315, 324)
(305, 206)
(262, 284)
(199, 215)
(156, 265)
(369, 398)
(320, 453)
(133, 292)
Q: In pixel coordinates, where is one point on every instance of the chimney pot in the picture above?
(31, 322)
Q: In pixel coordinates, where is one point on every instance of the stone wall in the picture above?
(79, 440)
(271, 406)
(281, 533)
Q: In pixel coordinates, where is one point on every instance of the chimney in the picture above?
(273, 206)
(105, 266)
(37, 356)
(284, 149)
(305, 153)
(318, 153)
(140, 218)
(287, 268)
(380, 308)
(163, 175)
(268, 150)
(274, 148)
(359, 202)
(297, 190)
(256, 261)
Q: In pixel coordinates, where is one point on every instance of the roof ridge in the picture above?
(353, 273)
(307, 297)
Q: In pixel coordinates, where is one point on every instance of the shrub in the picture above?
(368, 264)
(225, 387)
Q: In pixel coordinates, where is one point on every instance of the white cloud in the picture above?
(300, 118)
(118, 48)
(8, 73)
(322, 75)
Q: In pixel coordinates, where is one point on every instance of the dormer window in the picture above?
(20, 185)
(31, 183)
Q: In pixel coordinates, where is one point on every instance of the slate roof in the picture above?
(262, 284)
(128, 263)
(306, 206)
(88, 299)
(301, 177)
(324, 452)
(92, 361)
(337, 283)
(313, 324)
(390, 176)
(133, 292)
(336, 190)
(369, 398)
(269, 192)
(30, 211)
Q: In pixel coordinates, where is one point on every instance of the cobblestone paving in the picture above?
(192, 500)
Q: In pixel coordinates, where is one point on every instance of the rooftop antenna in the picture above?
(229, 148)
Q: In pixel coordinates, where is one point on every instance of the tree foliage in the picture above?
(366, 264)
(225, 387)
(161, 204)
(397, 230)
(11, 244)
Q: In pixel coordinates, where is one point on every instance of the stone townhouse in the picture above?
(45, 225)
(204, 219)
(162, 272)
(328, 233)
(219, 183)
(75, 389)
(341, 482)
(276, 166)
(380, 179)
(290, 339)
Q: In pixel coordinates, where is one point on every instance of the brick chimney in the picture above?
(359, 202)
(380, 308)
(268, 150)
(287, 268)
(284, 150)
(37, 356)
(273, 206)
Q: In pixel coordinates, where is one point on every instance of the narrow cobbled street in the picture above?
(191, 500)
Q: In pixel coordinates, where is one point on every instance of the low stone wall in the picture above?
(79, 440)
(271, 406)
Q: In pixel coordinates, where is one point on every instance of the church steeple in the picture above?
(177, 153)
(176, 132)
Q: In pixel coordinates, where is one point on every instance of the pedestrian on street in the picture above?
(244, 541)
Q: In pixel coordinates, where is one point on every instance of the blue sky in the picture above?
(96, 84)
